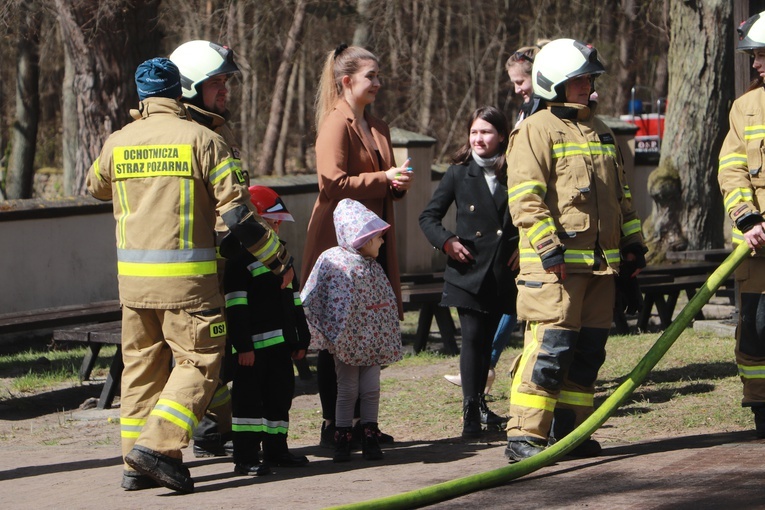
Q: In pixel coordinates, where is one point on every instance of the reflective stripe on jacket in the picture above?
(567, 187)
(167, 177)
(740, 174)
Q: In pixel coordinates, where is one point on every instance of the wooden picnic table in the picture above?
(45, 318)
(711, 255)
(96, 336)
(423, 293)
(681, 268)
(686, 276)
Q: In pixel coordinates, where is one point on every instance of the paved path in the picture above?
(699, 472)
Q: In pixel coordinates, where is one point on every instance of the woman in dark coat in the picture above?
(479, 279)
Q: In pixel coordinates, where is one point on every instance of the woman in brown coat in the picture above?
(354, 159)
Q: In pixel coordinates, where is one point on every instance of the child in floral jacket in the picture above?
(352, 312)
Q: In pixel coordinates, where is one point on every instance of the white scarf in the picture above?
(488, 165)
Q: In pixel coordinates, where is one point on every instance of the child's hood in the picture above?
(355, 224)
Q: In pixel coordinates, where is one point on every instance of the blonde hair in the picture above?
(525, 56)
(342, 61)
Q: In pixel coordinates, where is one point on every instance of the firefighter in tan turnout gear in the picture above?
(167, 178)
(205, 69)
(742, 181)
(569, 197)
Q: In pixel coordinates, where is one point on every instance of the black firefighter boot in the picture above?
(759, 421)
(343, 436)
(276, 453)
(471, 417)
(209, 442)
(491, 420)
(564, 421)
(370, 442)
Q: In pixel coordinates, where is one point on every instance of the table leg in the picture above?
(304, 369)
(112, 381)
(423, 326)
(89, 361)
(447, 329)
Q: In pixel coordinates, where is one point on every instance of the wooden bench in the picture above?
(664, 297)
(423, 293)
(716, 255)
(621, 326)
(48, 318)
(95, 336)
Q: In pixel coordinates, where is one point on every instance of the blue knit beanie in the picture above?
(158, 77)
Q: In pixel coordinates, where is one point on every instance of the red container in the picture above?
(650, 124)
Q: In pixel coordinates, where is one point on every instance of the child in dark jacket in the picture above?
(268, 330)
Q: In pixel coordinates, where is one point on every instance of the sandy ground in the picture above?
(51, 458)
(70, 459)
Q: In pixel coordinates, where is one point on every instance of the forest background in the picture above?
(66, 81)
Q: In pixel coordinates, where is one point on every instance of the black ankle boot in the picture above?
(343, 436)
(471, 417)
(370, 442)
(759, 421)
(489, 418)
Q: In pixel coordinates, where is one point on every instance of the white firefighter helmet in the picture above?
(200, 60)
(559, 61)
(751, 33)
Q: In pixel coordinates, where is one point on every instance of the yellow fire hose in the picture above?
(496, 477)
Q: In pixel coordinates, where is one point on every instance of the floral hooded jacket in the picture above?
(348, 301)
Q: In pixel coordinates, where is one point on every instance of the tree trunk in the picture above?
(426, 95)
(625, 76)
(104, 85)
(661, 77)
(362, 31)
(281, 147)
(20, 176)
(3, 142)
(280, 90)
(701, 63)
(246, 125)
(69, 126)
(302, 160)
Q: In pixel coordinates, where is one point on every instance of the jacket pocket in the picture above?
(574, 183)
(539, 300)
(754, 158)
(572, 224)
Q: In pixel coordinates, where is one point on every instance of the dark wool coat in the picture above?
(483, 226)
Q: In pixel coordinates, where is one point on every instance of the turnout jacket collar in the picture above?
(207, 118)
(158, 106)
(572, 111)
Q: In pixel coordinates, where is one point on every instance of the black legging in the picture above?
(477, 335)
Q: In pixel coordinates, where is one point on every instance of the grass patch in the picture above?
(35, 370)
(694, 389)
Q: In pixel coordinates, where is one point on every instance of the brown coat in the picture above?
(348, 167)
